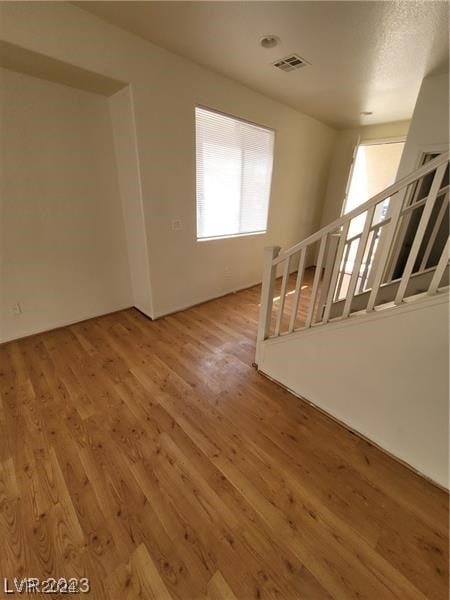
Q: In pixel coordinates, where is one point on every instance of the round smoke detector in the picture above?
(269, 41)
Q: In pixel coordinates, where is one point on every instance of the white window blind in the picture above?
(234, 170)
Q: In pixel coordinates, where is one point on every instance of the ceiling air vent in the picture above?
(290, 63)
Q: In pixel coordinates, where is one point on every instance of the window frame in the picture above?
(247, 122)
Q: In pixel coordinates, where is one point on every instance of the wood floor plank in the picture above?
(153, 459)
(138, 579)
(218, 588)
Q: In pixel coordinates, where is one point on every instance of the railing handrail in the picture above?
(372, 259)
(386, 193)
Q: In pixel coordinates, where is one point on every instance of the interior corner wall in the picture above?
(429, 129)
(342, 161)
(166, 89)
(63, 252)
(125, 144)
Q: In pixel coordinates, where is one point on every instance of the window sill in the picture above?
(234, 235)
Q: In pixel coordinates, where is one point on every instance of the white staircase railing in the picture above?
(349, 264)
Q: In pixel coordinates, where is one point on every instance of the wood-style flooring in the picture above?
(153, 459)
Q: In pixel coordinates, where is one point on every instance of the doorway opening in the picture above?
(374, 168)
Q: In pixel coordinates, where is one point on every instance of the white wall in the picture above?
(125, 144)
(429, 129)
(342, 160)
(384, 375)
(63, 251)
(165, 90)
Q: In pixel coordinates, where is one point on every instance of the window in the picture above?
(234, 171)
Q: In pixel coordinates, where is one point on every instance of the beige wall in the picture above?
(384, 375)
(379, 164)
(63, 252)
(429, 129)
(165, 90)
(125, 145)
(342, 160)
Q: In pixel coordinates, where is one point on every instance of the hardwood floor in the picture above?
(153, 459)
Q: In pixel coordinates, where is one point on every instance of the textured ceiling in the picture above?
(365, 56)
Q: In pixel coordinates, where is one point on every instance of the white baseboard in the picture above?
(181, 307)
(61, 324)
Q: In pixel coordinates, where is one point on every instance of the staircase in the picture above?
(366, 337)
(336, 293)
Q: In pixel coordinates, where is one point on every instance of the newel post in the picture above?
(268, 283)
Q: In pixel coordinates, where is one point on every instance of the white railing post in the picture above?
(284, 284)
(298, 286)
(372, 261)
(440, 268)
(268, 284)
(358, 260)
(330, 259)
(316, 281)
(384, 249)
(420, 232)
(434, 233)
(334, 277)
